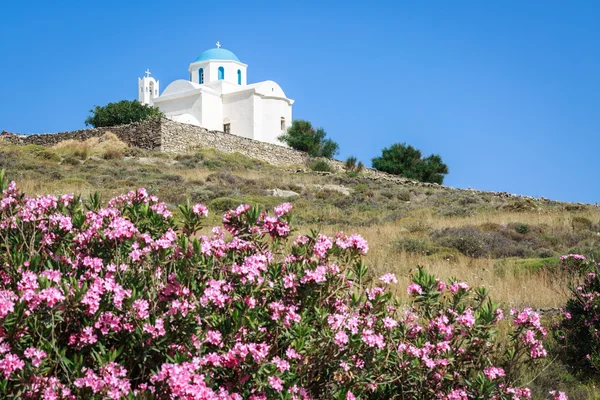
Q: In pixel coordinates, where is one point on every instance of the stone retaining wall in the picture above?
(145, 135)
(179, 138)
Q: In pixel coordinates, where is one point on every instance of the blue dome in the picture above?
(217, 54)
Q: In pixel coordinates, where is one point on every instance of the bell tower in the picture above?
(147, 89)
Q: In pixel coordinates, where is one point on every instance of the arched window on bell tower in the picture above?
(239, 77)
(201, 76)
(221, 73)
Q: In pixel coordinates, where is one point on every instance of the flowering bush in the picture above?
(577, 330)
(125, 302)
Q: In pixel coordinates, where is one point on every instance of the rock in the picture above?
(281, 193)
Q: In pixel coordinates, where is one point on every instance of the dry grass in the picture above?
(539, 289)
(107, 144)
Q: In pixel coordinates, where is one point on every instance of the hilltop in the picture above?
(505, 242)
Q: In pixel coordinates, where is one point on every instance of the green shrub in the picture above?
(581, 224)
(202, 195)
(468, 242)
(113, 154)
(414, 245)
(352, 167)
(544, 253)
(350, 163)
(49, 156)
(222, 204)
(359, 167)
(75, 181)
(577, 330)
(522, 228)
(490, 227)
(122, 112)
(320, 165)
(302, 136)
(70, 160)
(82, 153)
(406, 161)
(403, 195)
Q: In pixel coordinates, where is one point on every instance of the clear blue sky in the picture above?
(507, 92)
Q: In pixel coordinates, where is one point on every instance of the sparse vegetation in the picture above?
(353, 167)
(320, 165)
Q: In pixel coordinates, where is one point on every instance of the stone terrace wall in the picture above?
(179, 138)
(145, 134)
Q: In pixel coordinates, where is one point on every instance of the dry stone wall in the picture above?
(145, 134)
(179, 138)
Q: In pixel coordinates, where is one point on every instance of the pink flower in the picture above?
(341, 338)
(214, 337)
(458, 285)
(200, 210)
(556, 395)
(88, 336)
(141, 308)
(157, 330)
(282, 209)
(389, 278)
(414, 289)
(292, 354)
(389, 323)
(7, 302)
(275, 383)
(10, 363)
(35, 355)
(51, 296)
(350, 396)
(373, 339)
(493, 372)
(282, 365)
(467, 318)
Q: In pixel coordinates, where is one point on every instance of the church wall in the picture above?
(212, 112)
(268, 113)
(183, 105)
(238, 110)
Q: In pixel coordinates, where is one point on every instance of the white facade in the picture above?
(218, 97)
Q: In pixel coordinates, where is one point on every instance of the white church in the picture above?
(217, 96)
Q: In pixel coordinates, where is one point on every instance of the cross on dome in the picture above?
(147, 73)
(218, 45)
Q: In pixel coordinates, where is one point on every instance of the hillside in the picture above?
(506, 243)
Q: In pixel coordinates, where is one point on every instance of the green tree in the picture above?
(406, 161)
(302, 136)
(123, 112)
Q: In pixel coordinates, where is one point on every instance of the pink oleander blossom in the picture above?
(389, 278)
(414, 289)
(200, 210)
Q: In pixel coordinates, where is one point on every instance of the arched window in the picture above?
(239, 77)
(151, 89)
(201, 76)
(221, 73)
(282, 123)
